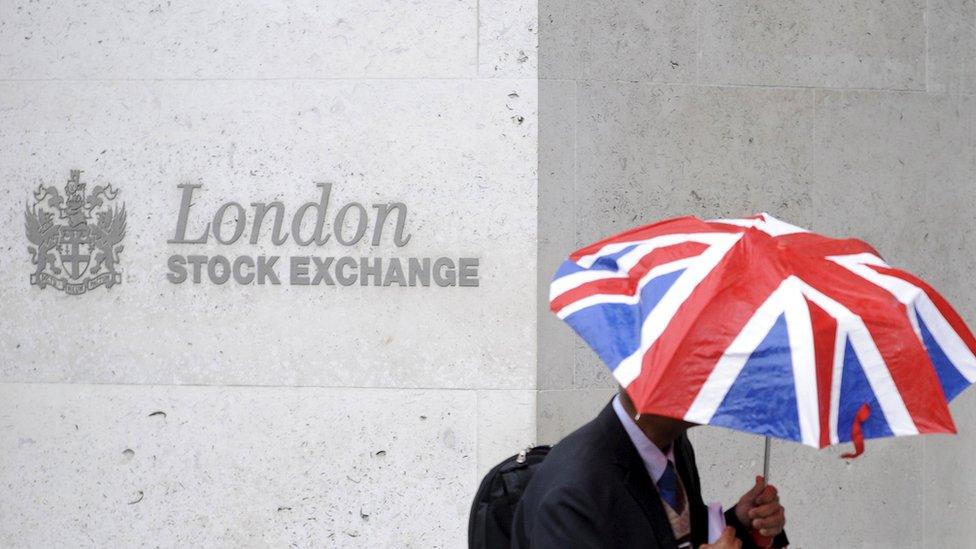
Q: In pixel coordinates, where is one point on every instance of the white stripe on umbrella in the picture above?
(765, 223)
(947, 338)
(799, 326)
(837, 375)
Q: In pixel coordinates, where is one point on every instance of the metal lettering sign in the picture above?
(75, 239)
(371, 223)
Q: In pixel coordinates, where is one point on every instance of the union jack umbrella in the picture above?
(760, 326)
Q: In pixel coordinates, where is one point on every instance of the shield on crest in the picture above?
(75, 250)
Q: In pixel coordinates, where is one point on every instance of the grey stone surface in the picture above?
(654, 41)
(238, 39)
(951, 46)
(588, 370)
(563, 411)
(461, 154)
(867, 44)
(948, 482)
(644, 40)
(648, 152)
(508, 34)
(120, 466)
(557, 224)
(506, 424)
(559, 39)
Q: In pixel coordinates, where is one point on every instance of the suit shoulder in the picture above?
(582, 461)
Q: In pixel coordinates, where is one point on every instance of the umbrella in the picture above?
(760, 326)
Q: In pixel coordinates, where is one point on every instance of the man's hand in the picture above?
(760, 509)
(727, 541)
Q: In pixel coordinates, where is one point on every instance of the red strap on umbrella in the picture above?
(857, 436)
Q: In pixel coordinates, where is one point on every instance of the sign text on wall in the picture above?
(308, 225)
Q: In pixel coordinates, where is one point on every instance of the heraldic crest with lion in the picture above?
(75, 238)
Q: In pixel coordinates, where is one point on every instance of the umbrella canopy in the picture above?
(761, 326)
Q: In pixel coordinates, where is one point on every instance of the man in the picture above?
(633, 483)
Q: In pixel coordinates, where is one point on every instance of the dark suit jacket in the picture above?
(593, 491)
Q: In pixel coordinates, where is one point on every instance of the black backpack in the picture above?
(490, 523)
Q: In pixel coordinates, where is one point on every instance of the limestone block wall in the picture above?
(171, 412)
(850, 118)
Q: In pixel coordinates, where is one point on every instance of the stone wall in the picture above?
(176, 414)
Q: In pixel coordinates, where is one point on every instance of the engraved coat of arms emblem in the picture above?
(75, 237)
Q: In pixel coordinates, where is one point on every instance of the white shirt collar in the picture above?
(654, 460)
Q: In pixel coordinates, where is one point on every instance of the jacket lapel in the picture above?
(635, 478)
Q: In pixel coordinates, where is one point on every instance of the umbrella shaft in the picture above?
(766, 460)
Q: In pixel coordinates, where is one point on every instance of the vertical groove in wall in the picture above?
(477, 437)
(813, 138)
(698, 38)
(926, 21)
(576, 123)
(925, 494)
(477, 38)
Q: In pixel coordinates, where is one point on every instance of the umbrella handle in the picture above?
(757, 538)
